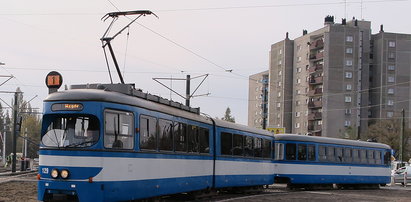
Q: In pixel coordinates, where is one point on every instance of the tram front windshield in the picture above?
(71, 131)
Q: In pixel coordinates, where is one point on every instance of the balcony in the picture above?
(314, 127)
(317, 44)
(315, 92)
(316, 80)
(316, 56)
(315, 104)
(314, 116)
(317, 67)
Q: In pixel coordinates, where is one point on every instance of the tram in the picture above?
(111, 142)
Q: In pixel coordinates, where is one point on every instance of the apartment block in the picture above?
(323, 82)
(258, 100)
(391, 74)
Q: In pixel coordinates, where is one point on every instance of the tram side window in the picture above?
(290, 151)
(370, 157)
(226, 143)
(180, 137)
(321, 154)
(238, 149)
(165, 139)
(204, 136)
(193, 140)
(356, 156)
(302, 152)
(279, 151)
(311, 152)
(119, 130)
(347, 155)
(148, 138)
(378, 157)
(258, 147)
(363, 156)
(387, 158)
(339, 155)
(330, 154)
(248, 146)
(266, 152)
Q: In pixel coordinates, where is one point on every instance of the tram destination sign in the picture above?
(67, 107)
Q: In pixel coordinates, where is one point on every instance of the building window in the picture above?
(297, 125)
(280, 62)
(391, 91)
(347, 111)
(347, 99)
(391, 67)
(298, 92)
(297, 102)
(279, 84)
(391, 55)
(279, 94)
(390, 114)
(348, 75)
(298, 47)
(278, 104)
(349, 38)
(299, 69)
(391, 44)
(298, 80)
(390, 102)
(348, 50)
(298, 59)
(348, 62)
(280, 73)
(347, 123)
(278, 115)
(280, 51)
(297, 114)
(348, 87)
(391, 79)
(320, 123)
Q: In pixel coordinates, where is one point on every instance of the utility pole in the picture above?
(4, 140)
(15, 131)
(188, 91)
(401, 155)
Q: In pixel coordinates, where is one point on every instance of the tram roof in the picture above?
(329, 140)
(113, 95)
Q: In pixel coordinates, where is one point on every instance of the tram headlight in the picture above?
(64, 174)
(54, 173)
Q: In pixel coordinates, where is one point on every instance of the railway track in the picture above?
(23, 176)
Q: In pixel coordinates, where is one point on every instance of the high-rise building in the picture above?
(390, 75)
(320, 82)
(257, 101)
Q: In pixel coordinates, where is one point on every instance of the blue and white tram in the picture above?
(306, 161)
(115, 143)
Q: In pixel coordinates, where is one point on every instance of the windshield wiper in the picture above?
(81, 143)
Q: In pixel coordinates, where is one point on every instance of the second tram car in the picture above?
(309, 161)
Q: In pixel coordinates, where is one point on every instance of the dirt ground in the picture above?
(26, 191)
(18, 191)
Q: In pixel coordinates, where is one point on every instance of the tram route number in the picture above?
(45, 170)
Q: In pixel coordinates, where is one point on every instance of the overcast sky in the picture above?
(189, 37)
